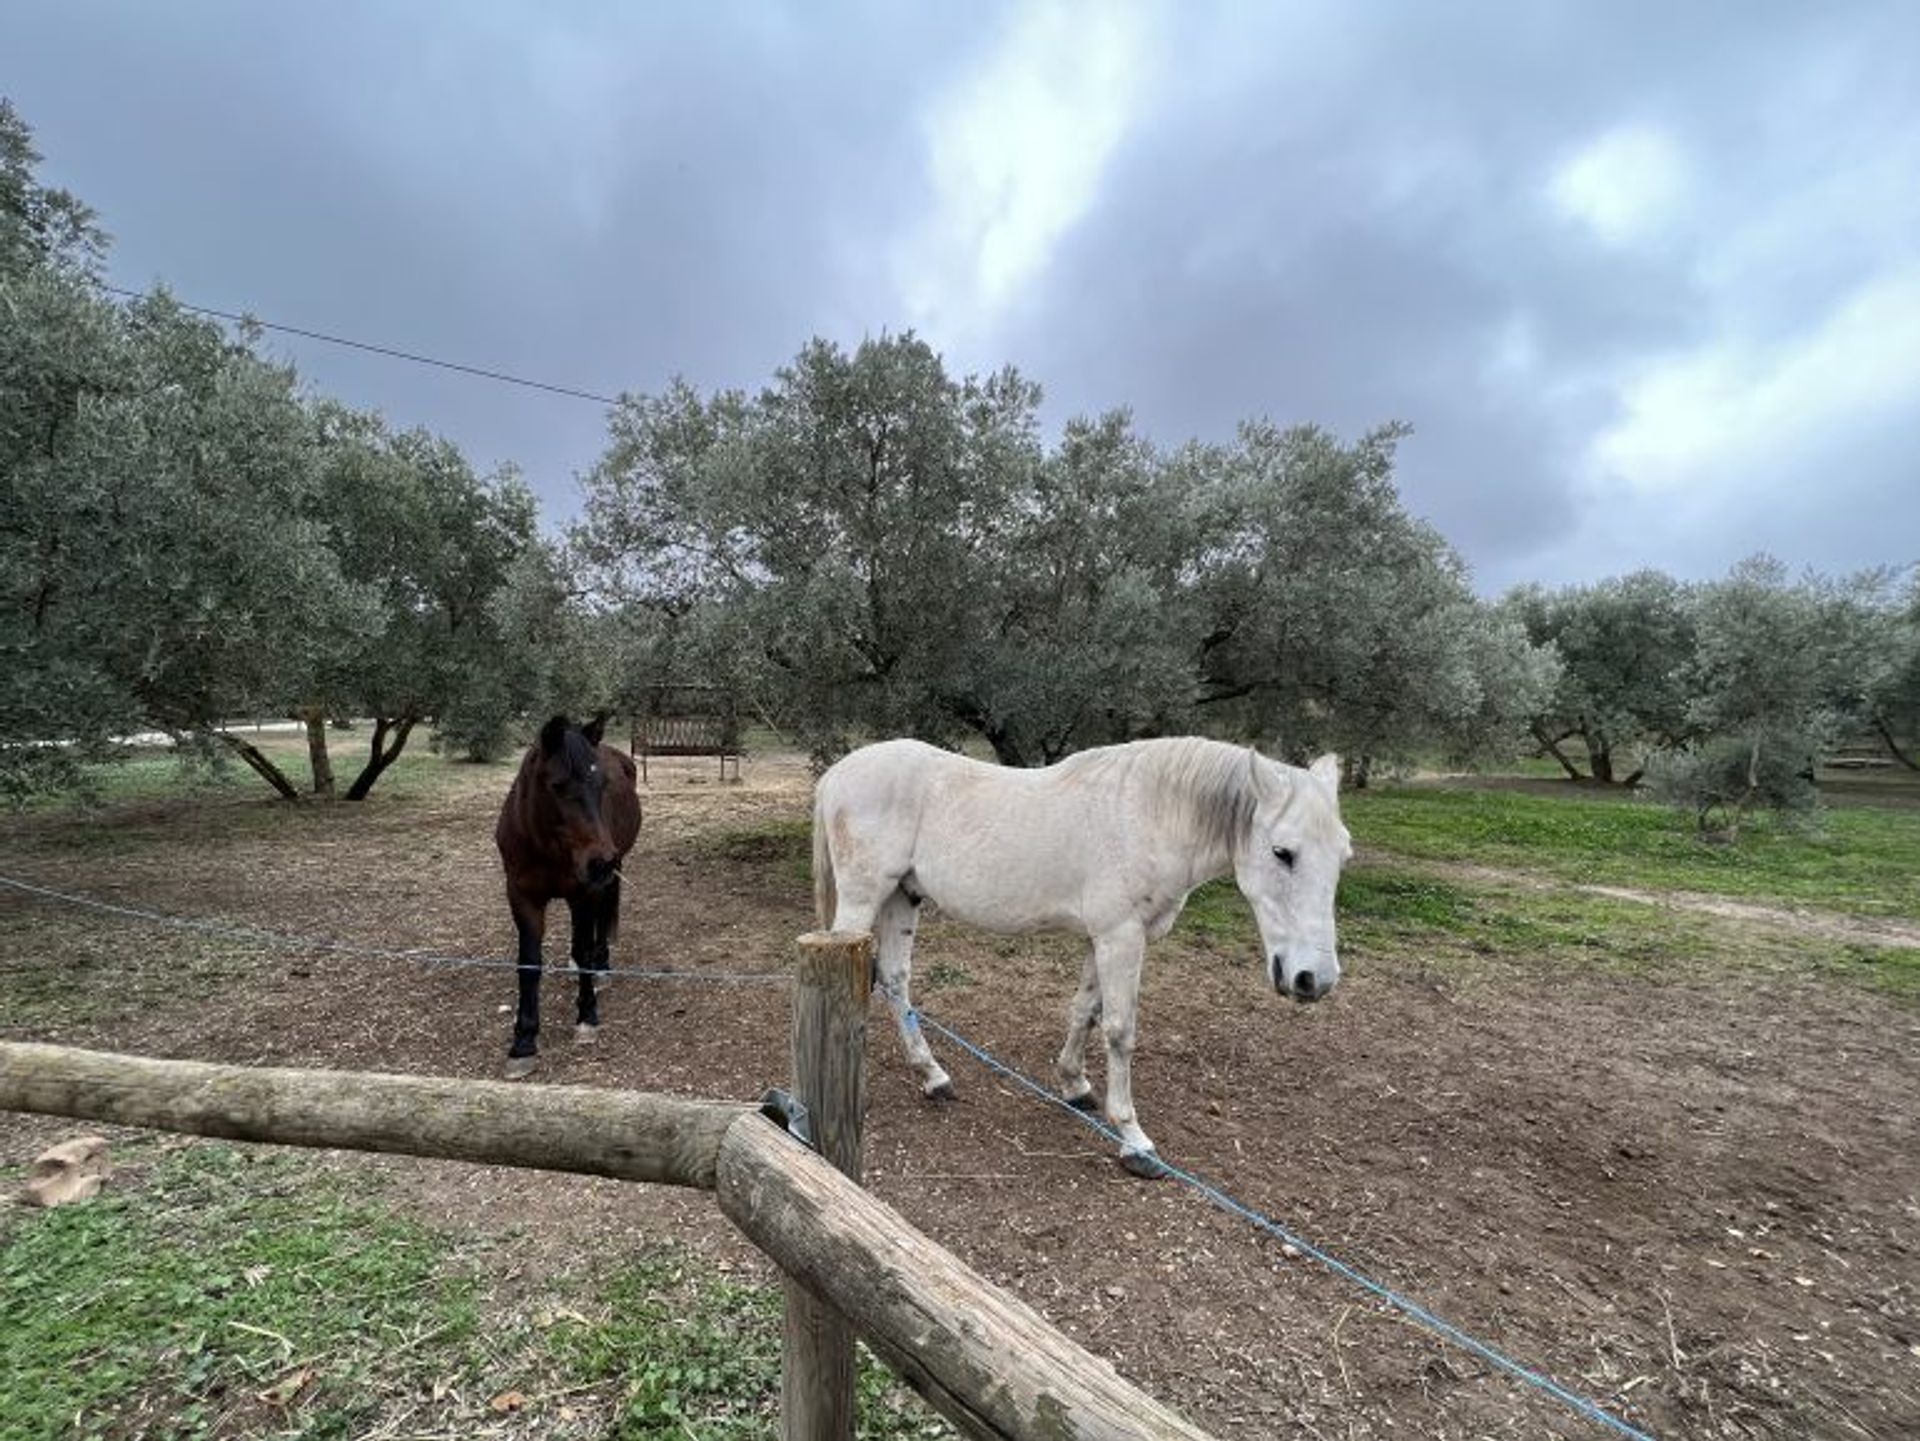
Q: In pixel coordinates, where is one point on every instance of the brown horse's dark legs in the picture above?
(589, 950)
(530, 921)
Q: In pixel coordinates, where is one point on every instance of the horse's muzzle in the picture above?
(1305, 986)
(601, 874)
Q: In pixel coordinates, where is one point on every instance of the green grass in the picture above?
(1389, 910)
(153, 775)
(1886, 968)
(783, 843)
(167, 1309)
(697, 1354)
(219, 1291)
(1866, 862)
(93, 977)
(1469, 928)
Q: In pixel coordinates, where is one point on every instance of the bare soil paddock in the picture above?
(1693, 1195)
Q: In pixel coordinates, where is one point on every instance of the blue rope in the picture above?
(1591, 1410)
(260, 936)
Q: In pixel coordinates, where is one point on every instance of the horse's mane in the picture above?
(1188, 783)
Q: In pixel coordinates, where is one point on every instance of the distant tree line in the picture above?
(866, 546)
(1726, 693)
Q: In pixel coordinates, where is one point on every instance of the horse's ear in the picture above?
(1264, 789)
(1327, 769)
(553, 735)
(594, 729)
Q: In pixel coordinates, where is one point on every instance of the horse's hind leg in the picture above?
(893, 929)
(1075, 1088)
(530, 924)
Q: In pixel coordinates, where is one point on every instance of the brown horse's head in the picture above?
(570, 784)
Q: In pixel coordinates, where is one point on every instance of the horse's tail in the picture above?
(825, 900)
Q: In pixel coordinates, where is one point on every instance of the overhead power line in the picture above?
(385, 350)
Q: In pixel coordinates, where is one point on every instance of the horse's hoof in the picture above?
(942, 1092)
(1089, 1103)
(585, 1035)
(1145, 1164)
(518, 1068)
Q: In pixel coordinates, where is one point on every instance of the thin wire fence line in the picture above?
(373, 349)
(1591, 1410)
(259, 935)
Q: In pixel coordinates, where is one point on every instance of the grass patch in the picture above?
(1895, 970)
(1217, 912)
(785, 845)
(693, 1353)
(150, 775)
(1865, 862)
(217, 1291)
(169, 1309)
(95, 974)
(1385, 910)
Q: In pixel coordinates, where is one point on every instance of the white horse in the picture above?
(1108, 843)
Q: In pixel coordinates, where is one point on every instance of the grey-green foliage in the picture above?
(1330, 618)
(871, 546)
(1074, 641)
(548, 655)
(185, 536)
(1780, 668)
(1626, 649)
(43, 229)
(162, 566)
(1893, 702)
(1719, 780)
(842, 519)
(159, 566)
(434, 543)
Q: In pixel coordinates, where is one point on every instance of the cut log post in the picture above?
(985, 1360)
(630, 1135)
(834, 975)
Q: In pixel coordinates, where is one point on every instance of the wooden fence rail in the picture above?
(985, 1360)
(629, 1135)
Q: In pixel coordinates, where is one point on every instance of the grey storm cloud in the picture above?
(1644, 279)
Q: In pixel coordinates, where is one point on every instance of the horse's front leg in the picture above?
(1075, 1088)
(530, 922)
(590, 926)
(1118, 957)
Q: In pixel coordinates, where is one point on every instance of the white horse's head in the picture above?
(1288, 867)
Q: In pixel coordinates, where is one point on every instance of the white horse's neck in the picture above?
(1199, 795)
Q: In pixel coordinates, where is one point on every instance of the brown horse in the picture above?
(568, 821)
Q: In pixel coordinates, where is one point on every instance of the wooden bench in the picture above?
(686, 720)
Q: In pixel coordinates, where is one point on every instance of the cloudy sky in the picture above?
(1644, 278)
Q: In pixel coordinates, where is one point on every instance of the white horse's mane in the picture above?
(1188, 783)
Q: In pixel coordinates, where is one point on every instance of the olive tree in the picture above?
(1331, 619)
(1893, 707)
(845, 518)
(411, 523)
(1780, 667)
(1626, 649)
(159, 563)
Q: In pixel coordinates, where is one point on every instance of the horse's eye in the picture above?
(1284, 856)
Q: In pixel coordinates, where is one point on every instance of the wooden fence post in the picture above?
(834, 976)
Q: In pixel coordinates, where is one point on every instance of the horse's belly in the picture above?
(1024, 894)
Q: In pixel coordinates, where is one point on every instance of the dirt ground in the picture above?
(1696, 1201)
